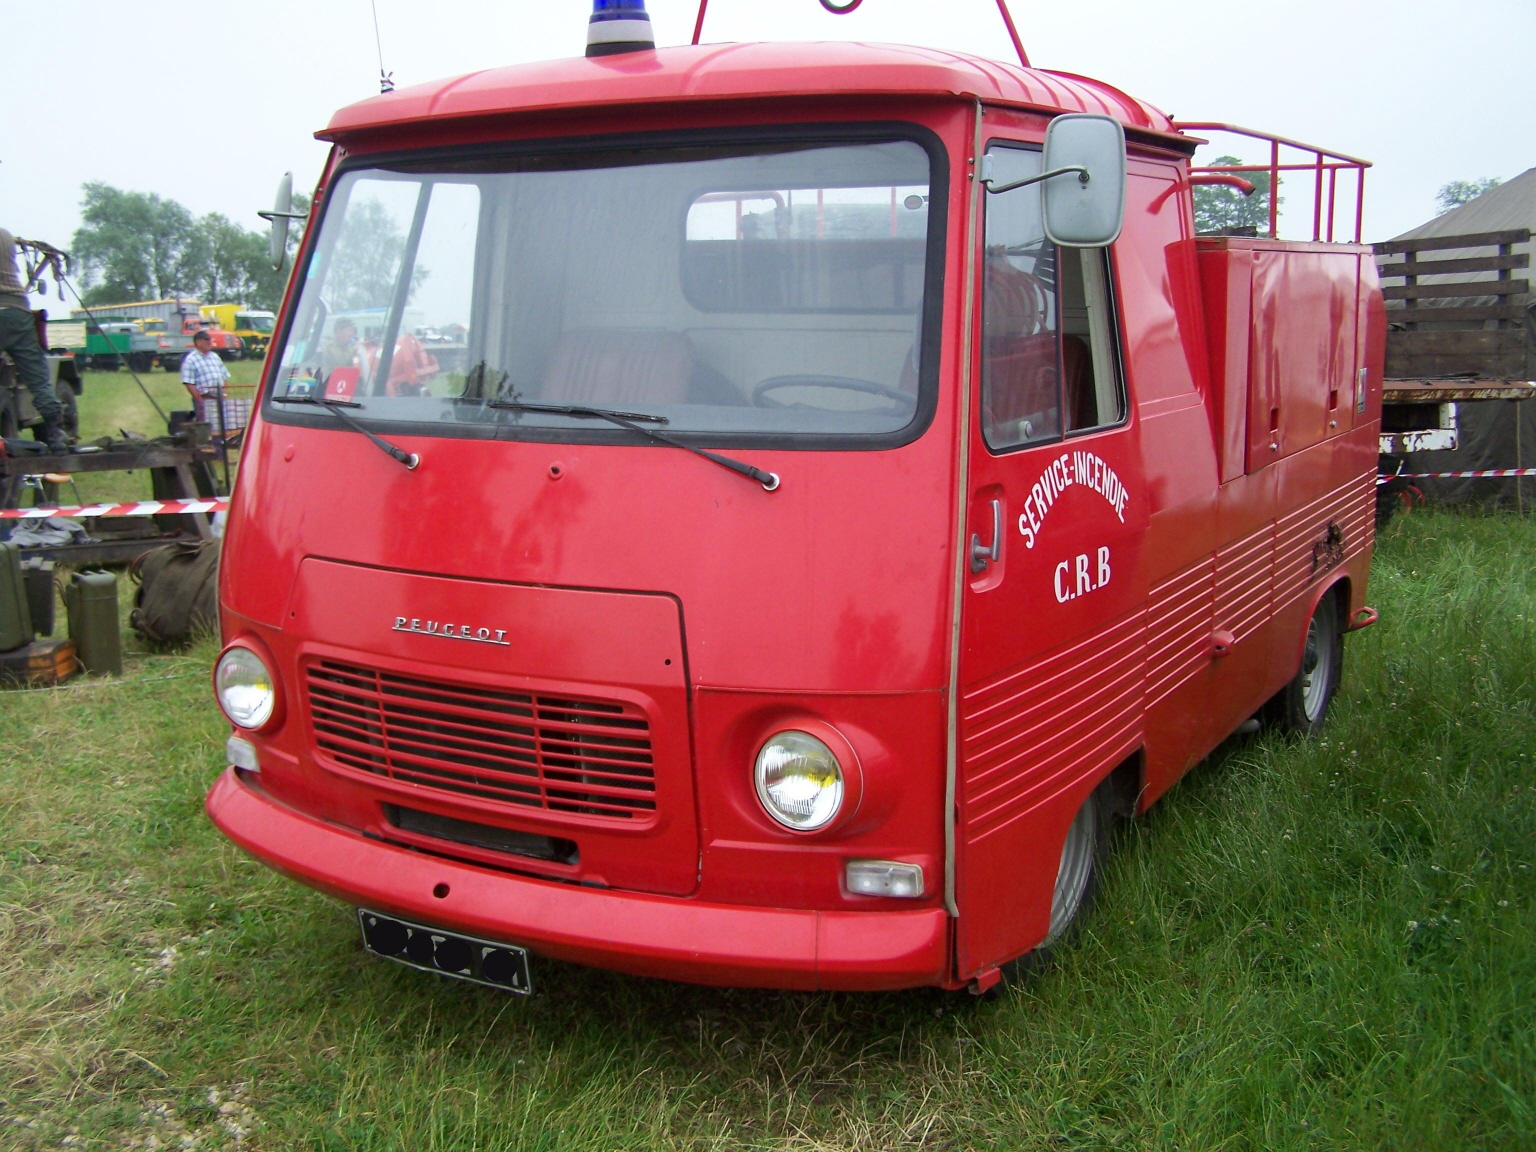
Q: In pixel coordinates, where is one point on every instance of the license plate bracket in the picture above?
(445, 953)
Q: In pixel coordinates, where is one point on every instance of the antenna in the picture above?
(386, 79)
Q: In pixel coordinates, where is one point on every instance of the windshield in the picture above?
(256, 321)
(747, 291)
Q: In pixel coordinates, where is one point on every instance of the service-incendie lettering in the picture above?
(1070, 469)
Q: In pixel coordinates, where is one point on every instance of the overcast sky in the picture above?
(210, 104)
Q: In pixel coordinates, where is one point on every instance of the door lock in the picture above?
(984, 554)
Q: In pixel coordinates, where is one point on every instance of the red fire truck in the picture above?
(860, 487)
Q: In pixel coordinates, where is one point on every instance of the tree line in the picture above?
(143, 246)
(1222, 209)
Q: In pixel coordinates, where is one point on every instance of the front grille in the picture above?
(591, 757)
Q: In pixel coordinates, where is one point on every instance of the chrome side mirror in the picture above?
(282, 212)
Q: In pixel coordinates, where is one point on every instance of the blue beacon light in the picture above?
(619, 26)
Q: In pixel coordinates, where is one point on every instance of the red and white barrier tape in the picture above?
(1485, 474)
(137, 508)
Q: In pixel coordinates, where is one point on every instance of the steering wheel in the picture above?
(837, 383)
(842, 9)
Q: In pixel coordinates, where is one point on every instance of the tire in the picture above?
(1301, 707)
(171, 363)
(11, 487)
(1082, 860)
(71, 415)
(1077, 880)
(140, 361)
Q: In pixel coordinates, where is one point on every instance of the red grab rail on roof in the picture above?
(1320, 161)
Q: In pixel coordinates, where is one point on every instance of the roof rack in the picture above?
(1320, 161)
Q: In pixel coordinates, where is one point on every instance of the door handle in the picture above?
(984, 554)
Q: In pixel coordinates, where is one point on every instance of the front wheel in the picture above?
(1077, 879)
(1082, 859)
(1302, 705)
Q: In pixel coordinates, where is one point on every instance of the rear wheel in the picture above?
(1301, 707)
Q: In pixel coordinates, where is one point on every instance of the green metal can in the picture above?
(38, 574)
(90, 598)
(15, 613)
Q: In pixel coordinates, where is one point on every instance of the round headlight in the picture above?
(799, 781)
(244, 688)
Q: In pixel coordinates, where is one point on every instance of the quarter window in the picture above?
(1048, 364)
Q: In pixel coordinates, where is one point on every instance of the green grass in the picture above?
(1317, 946)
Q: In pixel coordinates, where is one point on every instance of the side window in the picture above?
(1048, 363)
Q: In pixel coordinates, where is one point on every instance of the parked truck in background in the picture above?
(226, 344)
(253, 326)
(106, 344)
(170, 322)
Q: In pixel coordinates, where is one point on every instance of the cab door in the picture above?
(1051, 659)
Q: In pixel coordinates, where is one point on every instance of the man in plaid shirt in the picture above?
(204, 373)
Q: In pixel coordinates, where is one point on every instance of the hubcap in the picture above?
(1315, 670)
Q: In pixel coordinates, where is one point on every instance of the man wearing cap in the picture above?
(204, 373)
(18, 336)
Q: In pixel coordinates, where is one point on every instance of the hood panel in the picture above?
(839, 581)
(480, 708)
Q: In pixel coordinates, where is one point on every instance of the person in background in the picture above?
(341, 350)
(18, 336)
(204, 373)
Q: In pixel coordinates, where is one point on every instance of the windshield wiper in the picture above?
(630, 420)
(337, 407)
(576, 410)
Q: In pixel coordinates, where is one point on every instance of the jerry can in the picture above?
(90, 598)
(15, 614)
(39, 579)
